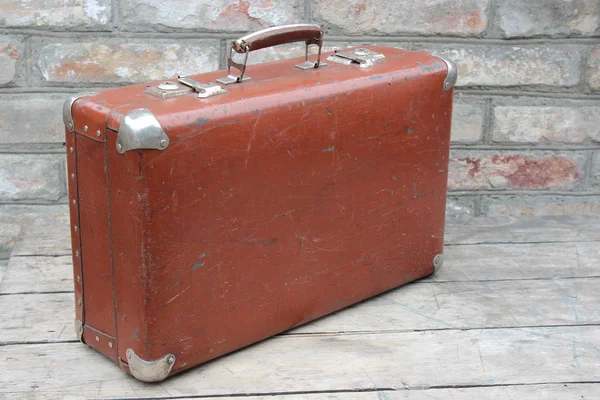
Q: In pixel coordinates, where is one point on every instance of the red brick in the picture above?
(573, 122)
(11, 56)
(55, 14)
(522, 171)
(118, 61)
(210, 15)
(593, 69)
(425, 17)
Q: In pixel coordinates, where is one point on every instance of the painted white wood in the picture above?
(38, 274)
(411, 360)
(451, 305)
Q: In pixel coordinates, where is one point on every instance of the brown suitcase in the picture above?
(211, 212)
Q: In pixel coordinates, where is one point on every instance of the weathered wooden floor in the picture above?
(513, 314)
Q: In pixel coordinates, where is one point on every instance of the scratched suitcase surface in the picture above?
(216, 210)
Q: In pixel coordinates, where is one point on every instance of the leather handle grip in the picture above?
(309, 33)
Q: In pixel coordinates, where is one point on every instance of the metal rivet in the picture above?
(119, 147)
(72, 177)
(70, 126)
(78, 302)
(438, 261)
(97, 339)
(71, 149)
(85, 128)
(110, 344)
(98, 133)
(129, 353)
(75, 228)
(78, 279)
(171, 359)
(76, 253)
(163, 143)
(74, 202)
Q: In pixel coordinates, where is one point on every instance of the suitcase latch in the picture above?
(203, 89)
(362, 56)
(184, 86)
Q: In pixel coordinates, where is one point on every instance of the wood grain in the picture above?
(520, 392)
(43, 232)
(462, 263)
(411, 360)
(38, 274)
(451, 305)
(565, 228)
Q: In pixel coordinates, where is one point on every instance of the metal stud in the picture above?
(79, 302)
(70, 126)
(171, 359)
(97, 339)
(78, 279)
(74, 202)
(77, 253)
(129, 353)
(98, 133)
(438, 261)
(110, 344)
(72, 177)
(71, 149)
(75, 228)
(85, 128)
(163, 143)
(119, 147)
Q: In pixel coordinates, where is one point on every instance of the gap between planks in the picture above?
(461, 306)
(537, 391)
(462, 264)
(417, 360)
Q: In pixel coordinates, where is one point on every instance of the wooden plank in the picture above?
(45, 230)
(462, 263)
(38, 274)
(452, 305)
(9, 234)
(47, 233)
(412, 360)
(519, 261)
(521, 392)
(468, 305)
(3, 267)
(539, 229)
(37, 318)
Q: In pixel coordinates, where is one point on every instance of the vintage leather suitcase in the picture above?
(211, 212)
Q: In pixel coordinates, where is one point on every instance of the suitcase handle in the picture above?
(309, 33)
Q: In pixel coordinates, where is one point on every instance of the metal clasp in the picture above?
(229, 79)
(203, 89)
(309, 64)
(362, 56)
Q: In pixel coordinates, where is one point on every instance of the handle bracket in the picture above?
(309, 33)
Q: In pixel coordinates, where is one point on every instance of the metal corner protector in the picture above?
(452, 75)
(438, 261)
(149, 371)
(79, 330)
(141, 130)
(68, 108)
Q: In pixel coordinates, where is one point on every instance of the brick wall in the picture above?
(526, 130)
